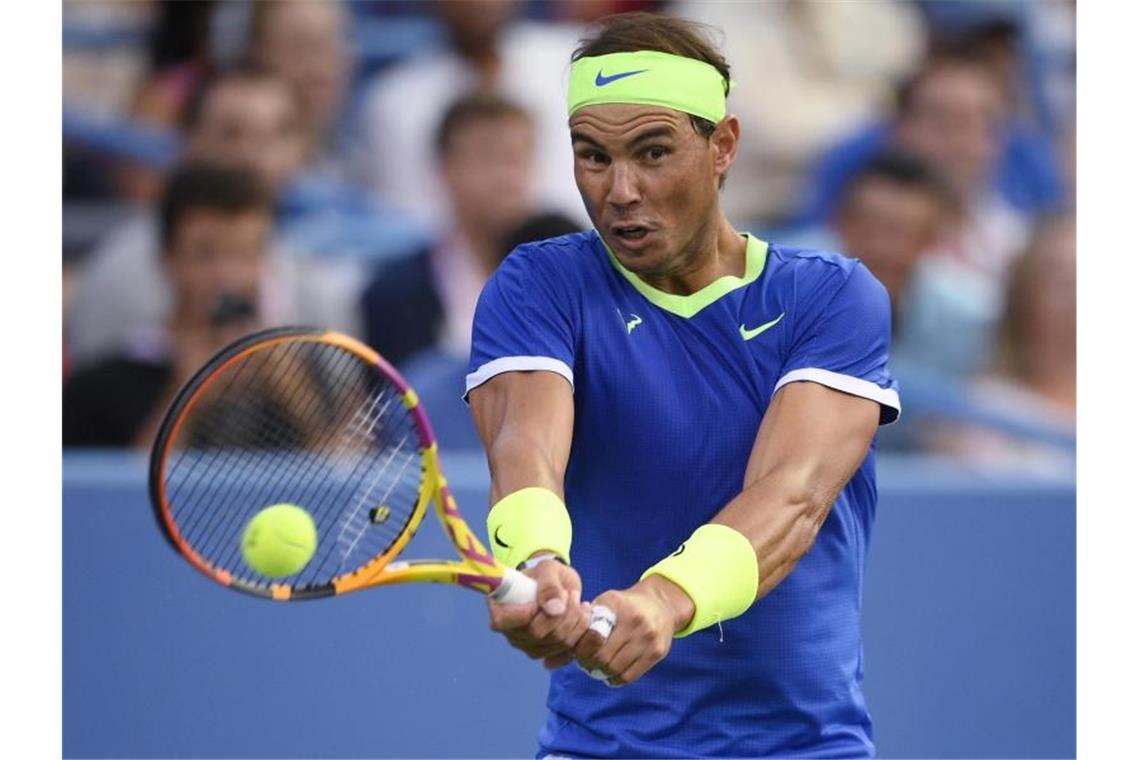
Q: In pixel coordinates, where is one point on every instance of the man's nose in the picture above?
(623, 189)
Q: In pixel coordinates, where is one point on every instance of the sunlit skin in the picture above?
(648, 167)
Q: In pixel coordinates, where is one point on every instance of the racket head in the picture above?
(314, 418)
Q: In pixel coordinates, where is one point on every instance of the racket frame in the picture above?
(477, 568)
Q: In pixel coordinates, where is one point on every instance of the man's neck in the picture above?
(719, 251)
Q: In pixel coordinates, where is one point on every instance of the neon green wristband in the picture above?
(526, 521)
(717, 568)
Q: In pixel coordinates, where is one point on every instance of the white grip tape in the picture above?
(603, 621)
(516, 588)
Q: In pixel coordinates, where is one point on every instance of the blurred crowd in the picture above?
(365, 166)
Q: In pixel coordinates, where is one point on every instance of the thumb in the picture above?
(551, 595)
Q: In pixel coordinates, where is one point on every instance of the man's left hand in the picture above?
(648, 614)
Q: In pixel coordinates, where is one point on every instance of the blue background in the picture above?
(969, 623)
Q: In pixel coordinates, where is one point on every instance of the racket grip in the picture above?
(516, 588)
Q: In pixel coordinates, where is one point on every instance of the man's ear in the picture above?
(724, 140)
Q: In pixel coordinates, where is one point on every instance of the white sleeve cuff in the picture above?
(888, 398)
(517, 364)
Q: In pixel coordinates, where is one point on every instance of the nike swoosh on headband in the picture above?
(601, 81)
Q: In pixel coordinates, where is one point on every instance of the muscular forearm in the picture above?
(525, 421)
(517, 462)
(780, 515)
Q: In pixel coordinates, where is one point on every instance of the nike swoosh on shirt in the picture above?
(498, 540)
(750, 334)
(601, 81)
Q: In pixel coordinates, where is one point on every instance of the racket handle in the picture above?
(516, 588)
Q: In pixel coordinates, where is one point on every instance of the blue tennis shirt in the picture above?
(669, 392)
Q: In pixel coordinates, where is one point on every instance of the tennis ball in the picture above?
(280, 540)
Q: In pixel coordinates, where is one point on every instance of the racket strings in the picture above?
(233, 457)
(287, 479)
(301, 422)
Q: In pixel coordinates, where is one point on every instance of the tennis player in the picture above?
(696, 409)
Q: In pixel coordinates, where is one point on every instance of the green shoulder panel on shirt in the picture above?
(756, 253)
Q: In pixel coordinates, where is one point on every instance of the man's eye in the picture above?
(595, 157)
(656, 153)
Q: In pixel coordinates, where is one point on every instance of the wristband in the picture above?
(527, 521)
(717, 568)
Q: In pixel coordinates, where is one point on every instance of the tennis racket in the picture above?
(320, 420)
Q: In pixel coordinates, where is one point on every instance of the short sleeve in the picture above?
(525, 320)
(842, 341)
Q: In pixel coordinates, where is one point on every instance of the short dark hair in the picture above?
(542, 226)
(247, 73)
(630, 32)
(473, 108)
(907, 170)
(204, 186)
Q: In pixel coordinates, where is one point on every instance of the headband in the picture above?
(647, 77)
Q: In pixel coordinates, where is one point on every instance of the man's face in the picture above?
(649, 182)
(250, 124)
(215, 253)
(954, 120)
(488, 168)
(888, 226)
(304, 43)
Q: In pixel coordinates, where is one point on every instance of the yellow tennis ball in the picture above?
(280, 540)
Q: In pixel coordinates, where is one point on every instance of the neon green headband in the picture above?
(650, 78)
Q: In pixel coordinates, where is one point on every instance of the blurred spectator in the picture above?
(438, 375)
(215, 229)
(306, 44)
(804, 74)
(240, 118)
(1032, 45)
(955, 111)
(489, 51)
(1037, 351)
(246, 117)
(896, 209)
(180, 58)
(952, 113)
(485, 148)
(1034, 372)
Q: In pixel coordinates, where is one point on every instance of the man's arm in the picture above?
(526, 423)
(811, 441)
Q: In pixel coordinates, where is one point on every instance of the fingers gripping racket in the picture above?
(316, 419)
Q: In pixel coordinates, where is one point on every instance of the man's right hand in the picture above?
(549, 627)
